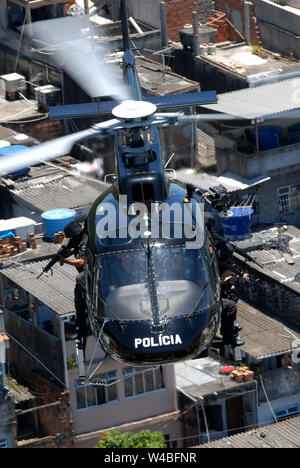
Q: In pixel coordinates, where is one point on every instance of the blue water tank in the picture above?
(236, 222)
(269, 136)
(56, 220)
(7, 150)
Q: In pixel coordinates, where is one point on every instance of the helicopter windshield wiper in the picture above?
(109, 308)
(152, 285)
(199, 298)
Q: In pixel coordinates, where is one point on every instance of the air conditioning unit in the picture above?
(46, 96)
(13, 83)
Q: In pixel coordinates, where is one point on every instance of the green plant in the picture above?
(256, 50)
(142, 439)
(71, 362)
(259, 369)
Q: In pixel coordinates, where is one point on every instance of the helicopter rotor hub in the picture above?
(131, 110)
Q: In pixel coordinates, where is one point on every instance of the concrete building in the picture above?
(269, 111)
(277, 251)
(217, 406)
(7, 407)
(212, 405)
(237, 58)
(278, 24)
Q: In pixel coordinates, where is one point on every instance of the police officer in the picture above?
(229, 295)
(78, 240)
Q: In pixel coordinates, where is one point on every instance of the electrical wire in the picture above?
(15, 115)
(21, 36)
(266, 396)
(25, 121)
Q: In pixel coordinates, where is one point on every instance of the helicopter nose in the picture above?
(182, 338)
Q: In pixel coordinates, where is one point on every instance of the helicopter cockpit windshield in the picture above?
(154, 282)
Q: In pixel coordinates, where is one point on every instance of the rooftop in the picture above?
(14, 138)
(56, 290)
(159, 80)
(258, 65)
(51, 186)
(277, 249)
(201, 377)
(20, 392)
(269, 100)
(283, 434)
(264, 336)
(232, 182)
(18, 110)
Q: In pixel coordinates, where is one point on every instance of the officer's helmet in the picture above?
(72, 229)
(224, 250)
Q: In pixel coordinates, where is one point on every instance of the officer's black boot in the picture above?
(236, 327)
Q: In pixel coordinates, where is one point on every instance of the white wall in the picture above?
(264, 412)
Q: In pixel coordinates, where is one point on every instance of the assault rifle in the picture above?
(64, 251)
(237, 249)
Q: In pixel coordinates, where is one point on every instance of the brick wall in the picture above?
(235, 14)
(43, 130)
(179, 13)
(56, 423)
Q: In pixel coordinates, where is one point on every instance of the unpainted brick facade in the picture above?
(179, 13)
(56, 423)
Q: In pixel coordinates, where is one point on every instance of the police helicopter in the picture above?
(152, 280)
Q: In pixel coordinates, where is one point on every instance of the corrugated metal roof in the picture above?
(20, 392)
(56, 291)
(64, 192)
(269, 247)
(263, 335)
(260, 101)
(284, 434)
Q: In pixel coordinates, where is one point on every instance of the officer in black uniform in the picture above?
(76, 233)
(229, 295)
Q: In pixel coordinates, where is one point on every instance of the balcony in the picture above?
(236, 154)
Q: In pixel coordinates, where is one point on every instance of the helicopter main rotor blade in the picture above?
(54, 148)
(77, 50)
(183, 118)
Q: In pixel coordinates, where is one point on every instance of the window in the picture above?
(3, 443)
(142, 380)
(289, 198)
(89, 395)
(284, 413)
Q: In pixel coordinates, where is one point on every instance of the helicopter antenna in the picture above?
(125, 31)
(130, 74)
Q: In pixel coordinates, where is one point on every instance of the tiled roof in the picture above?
(263, 335)
(62, 192)
(260, 101)
(270, 249)
(56, 291)
(283, 434)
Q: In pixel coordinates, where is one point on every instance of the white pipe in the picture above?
(135, 25)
